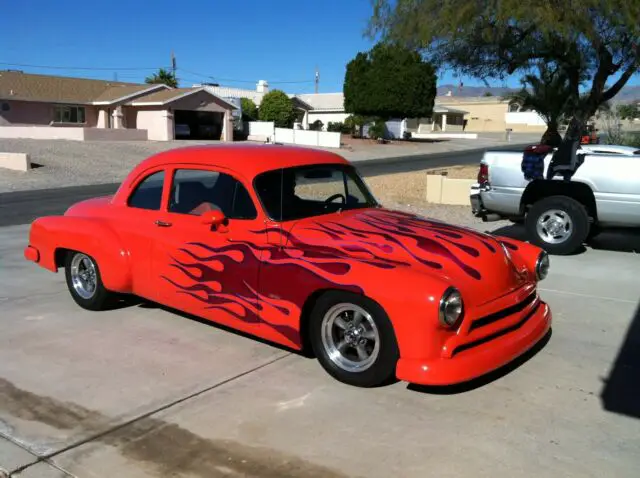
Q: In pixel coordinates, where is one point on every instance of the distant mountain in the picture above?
(628, 93)
(474, 90)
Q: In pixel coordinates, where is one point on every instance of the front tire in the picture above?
(558, 224)
(85, 283)
(353, 339)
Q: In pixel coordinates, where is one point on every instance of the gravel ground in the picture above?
(60, 163)
(460, 215)
(75, 163)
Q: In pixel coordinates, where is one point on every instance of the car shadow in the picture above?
(621, 392)
(485, 379)
(615, 240)
(132, 301)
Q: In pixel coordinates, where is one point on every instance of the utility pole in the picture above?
(317, 79)
(173, 64)
(115, 76)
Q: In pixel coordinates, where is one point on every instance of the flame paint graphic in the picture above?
(225, 278)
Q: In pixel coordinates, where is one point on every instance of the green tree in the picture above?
(276, 106)
(164, 77)
(629, 111)
(548, 92)
(249, 109)
(593, 39)
(487, 94)
(389, 81)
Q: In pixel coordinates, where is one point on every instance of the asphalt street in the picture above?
(24, 206)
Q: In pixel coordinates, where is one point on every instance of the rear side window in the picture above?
(148, 193)
(196, 191)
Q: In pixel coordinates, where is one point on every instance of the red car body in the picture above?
(261, 276)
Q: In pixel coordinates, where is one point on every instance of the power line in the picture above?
(80, 67)
(232, 80)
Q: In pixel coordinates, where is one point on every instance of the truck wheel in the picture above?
(353, 339)
(558, 224)
(84, 282)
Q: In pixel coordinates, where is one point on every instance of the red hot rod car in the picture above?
(289, 244)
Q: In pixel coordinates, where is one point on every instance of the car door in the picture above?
(209, 270)
(136, 223)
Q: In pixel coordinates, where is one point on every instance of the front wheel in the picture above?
(353, 339)
(558, 224)
(85, 283)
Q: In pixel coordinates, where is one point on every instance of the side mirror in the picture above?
(213, 218)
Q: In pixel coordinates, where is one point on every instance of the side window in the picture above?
(195, 191)
(148, 193)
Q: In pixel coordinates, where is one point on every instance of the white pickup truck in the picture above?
(560, 215)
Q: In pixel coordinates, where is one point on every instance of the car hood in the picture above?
(390, 239)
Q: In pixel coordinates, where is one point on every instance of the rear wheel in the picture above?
(84, 281)
(558, 224)
(353, 339)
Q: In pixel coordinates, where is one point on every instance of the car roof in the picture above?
(246, 159)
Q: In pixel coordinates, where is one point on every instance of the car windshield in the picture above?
(306, 191)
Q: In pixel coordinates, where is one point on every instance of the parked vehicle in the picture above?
(288, 244)
(560, 215)
(589, 135)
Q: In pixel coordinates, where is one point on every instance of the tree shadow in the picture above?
(485, 379)
(615, 240)
(621, 392)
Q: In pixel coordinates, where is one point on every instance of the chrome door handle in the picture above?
(162, 223)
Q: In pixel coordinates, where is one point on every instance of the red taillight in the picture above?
(483, 174)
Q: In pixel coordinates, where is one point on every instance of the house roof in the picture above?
(170, 95)
(230, 92)
(15, 85)
(446, 109)
(123, 92)
(324, 101)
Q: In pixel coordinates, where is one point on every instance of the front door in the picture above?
(209, 271)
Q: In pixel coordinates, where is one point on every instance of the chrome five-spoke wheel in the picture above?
(83, 276)
(350, 337)
(353, 339)
(84, 281)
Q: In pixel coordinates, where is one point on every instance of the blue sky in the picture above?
(275, 40)
(236, 42)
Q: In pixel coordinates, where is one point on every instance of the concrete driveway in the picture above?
(145, 392)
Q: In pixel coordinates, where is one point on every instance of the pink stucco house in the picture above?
(43, 106)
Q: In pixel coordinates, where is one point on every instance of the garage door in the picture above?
(197, 124)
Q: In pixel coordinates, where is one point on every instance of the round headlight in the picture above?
(451, 307)
(542, 266)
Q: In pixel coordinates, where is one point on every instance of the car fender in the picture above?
(411, 299)
(88, 235)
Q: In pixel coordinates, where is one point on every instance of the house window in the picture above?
(68, 114)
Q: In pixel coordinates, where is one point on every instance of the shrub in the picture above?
(631, 139)
(316, 125)
(377, 129)
(353, 124)
(276, 106)
(337, 127)
(249, 109)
